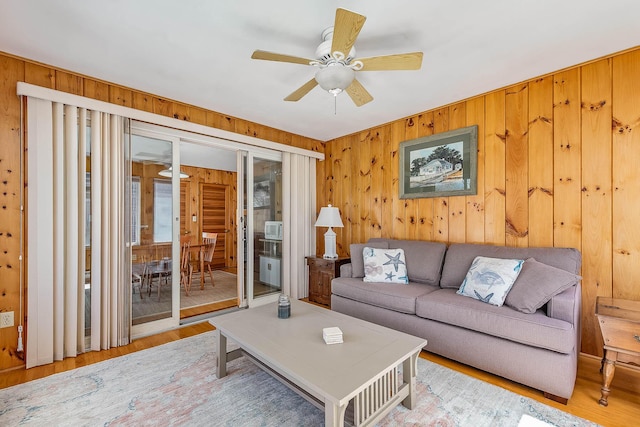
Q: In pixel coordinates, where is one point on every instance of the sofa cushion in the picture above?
(424, 259)
(460, 256)
(401, 298)
(536, 329)
(490, 279)
(355, 250)
(537, 284)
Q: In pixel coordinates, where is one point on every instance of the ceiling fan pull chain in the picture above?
(335, 104)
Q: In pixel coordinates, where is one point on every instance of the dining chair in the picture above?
(208, 239)
(137, 281)
(160, 270)
(186, 269)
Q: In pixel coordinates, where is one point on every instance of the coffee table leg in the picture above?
(221, 341)
(334, 415)
(409, 371)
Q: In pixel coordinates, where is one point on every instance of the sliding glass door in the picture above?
(153, 195)
(263, 207)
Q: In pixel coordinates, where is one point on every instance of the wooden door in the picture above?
(214, 206)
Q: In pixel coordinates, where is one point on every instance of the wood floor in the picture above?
(623, 409)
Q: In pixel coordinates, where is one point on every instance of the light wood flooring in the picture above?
(624, 401)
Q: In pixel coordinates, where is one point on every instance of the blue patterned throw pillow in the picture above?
(384, 265)
(490, 279)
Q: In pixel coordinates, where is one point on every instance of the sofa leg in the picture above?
(558, 399)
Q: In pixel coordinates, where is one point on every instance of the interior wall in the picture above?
(13, 70)
(557, 166)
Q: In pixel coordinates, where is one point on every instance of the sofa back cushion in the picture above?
(357, 262)
(424, 259)
(537, 284)
(460, 256)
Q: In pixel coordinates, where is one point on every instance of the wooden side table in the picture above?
(321, 273)
(619, 322)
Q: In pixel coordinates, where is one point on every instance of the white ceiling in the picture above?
(198, 51)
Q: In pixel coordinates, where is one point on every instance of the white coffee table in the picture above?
(361, 373)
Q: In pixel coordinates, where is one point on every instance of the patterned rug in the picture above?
(175, 384)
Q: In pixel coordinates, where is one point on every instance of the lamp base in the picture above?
(330, 245)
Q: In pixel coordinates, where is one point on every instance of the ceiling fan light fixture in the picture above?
(335, 78)
(168, 173)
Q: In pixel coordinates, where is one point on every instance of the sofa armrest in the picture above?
(346, 270)
(567, 305)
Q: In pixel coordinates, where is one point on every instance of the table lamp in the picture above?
(329, 217)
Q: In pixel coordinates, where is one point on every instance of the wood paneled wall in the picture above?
(13, 70)
(198, 176)
(558, 166)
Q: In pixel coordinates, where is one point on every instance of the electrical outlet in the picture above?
(6, 319)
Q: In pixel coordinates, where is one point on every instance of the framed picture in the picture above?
(440, 165)
(262, 194)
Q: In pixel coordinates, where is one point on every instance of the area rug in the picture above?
(175, 384)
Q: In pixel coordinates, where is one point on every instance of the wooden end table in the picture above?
(321, 273)
(619, 322)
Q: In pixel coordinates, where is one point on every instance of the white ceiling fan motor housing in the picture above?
(323, 51)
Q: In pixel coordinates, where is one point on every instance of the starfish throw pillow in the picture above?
(384, 265)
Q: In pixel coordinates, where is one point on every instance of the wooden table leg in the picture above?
(409, 371)
(334, 414)
(201, 268)
(608, 370)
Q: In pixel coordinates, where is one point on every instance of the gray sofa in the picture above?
(539, 349)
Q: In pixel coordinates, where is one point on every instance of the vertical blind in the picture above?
(73, 305)
(299, 209)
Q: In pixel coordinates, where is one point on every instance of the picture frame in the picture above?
(440, 165)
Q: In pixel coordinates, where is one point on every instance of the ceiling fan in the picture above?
(335, 58)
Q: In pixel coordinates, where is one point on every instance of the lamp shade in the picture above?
(329, 217)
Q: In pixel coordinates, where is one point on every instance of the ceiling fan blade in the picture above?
(346, 28)
(358, 93)
(302, 91)
(278, 57)
(401, 61)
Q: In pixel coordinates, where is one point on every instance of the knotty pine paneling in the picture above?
(475, 215)
(626, 175)
(457, 205)
(596, 192)
(425, 206)
(567, 158)
(517, 166)
(558, 166)
(494, 196)
(13, 70)
(377, 182)
(441, 204)
(540, 157)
